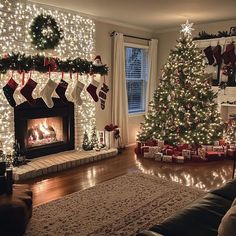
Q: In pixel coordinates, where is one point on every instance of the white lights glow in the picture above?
(79, 40)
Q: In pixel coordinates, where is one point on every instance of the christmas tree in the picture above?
(183, 109)
(86, 143)
(94, 138)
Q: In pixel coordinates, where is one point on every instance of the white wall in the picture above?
(104, 48)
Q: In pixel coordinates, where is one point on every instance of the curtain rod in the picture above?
(130, 36)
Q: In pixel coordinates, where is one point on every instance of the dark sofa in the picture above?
(201, 218)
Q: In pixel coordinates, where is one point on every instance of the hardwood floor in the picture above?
(201, 175)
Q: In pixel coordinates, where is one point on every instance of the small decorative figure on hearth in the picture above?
(86, 143)
(94, 140)
(17, 158)
(116, 135)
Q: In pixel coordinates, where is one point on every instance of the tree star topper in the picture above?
(187, 28)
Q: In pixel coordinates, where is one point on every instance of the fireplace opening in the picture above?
(44, 131)
(41, 130)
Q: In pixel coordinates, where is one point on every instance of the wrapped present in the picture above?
(231, 153)
(144, 149)
(202, 152)
(193, 152)
(208, 147)
(232, 146)
(186, 154)
(177, 153)
(180, 147)
(158, 156)
(167, 158)
(150, 143)
(151, 151)
(218, 149)
(197, 158)
(178, 159)
(160, 143)
(214, 156)
(216, 143)
(168, 152)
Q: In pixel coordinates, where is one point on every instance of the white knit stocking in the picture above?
(47, 91)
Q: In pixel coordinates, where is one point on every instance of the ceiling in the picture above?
(153, 15)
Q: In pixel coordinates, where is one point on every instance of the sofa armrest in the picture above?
(149, 233)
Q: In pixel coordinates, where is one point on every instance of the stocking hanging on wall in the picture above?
(27, 91)
(209, 55)
(92, 89)
(9, 90)
(76, 93)
(61, 90)
(103, 95)
(47, 91)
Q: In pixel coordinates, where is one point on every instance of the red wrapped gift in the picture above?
(151, 143)
(221, 142)
(180, 147)
(214, 156)
(177, 153)
(169, 152)
(231, 153)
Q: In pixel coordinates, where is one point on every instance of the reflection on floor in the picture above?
(201, 175)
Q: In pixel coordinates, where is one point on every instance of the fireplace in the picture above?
(41, 131)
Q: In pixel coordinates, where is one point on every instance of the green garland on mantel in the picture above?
(42, 64)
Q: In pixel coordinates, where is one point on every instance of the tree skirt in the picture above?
(121, 206)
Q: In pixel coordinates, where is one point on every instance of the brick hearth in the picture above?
(57, 162)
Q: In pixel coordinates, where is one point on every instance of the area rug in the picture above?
(121, 206)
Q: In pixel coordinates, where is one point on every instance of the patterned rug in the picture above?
(121, 206)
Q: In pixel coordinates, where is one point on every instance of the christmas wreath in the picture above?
(45, 33)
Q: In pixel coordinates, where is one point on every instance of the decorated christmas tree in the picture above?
(94, 138)
(183, 109)
(86, 143)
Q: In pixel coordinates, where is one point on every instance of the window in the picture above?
(136, 70)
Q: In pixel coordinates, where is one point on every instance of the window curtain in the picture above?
(119, 91)
(152, 71)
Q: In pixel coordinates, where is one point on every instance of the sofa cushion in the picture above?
(227, 225)
(227, 191)
(200, 218)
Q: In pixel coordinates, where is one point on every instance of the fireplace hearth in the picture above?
(40, 130)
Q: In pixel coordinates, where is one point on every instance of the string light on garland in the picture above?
(16, 17)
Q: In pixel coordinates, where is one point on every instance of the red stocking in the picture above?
(9, 90)
(61, 90)
(27, 90)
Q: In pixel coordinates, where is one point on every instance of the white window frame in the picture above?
(135, 45)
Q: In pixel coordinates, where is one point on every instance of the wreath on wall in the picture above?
(45, 32)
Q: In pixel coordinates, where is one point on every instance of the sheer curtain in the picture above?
(152, 71)
(119, 91)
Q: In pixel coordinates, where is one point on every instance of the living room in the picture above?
(117, 118)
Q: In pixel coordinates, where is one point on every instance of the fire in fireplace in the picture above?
(41, 130)
(44, 131)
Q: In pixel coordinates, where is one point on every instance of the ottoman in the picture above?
(15, 210)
